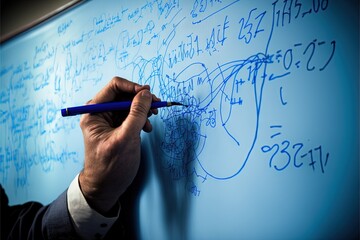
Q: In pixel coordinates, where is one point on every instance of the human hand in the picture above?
(112, 143)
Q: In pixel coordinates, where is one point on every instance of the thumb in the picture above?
(138, 114)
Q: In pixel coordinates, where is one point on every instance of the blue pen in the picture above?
(110, 106)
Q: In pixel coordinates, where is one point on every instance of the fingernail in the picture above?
(137, 87)
(146, 93)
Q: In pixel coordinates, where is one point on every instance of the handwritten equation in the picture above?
(205, 53)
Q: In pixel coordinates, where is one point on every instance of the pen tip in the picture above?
(179, 104)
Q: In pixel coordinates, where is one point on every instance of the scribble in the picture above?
(204, 54)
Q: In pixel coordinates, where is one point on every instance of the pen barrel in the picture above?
(159, 104)
(105, 107)
(96, 108)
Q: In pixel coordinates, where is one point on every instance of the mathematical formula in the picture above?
(181, 52)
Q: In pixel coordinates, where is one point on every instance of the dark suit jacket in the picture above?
(32, 220)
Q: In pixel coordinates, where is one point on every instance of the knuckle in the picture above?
(84, 121)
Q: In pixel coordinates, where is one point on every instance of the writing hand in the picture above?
(112, 143)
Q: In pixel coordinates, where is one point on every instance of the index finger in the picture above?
(117, 87)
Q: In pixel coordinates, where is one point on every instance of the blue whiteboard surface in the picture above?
(268, 147)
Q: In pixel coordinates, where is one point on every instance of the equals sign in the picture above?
(275, 127)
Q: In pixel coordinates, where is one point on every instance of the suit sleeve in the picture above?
(32, 220)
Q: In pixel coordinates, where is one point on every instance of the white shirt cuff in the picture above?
(89, 224)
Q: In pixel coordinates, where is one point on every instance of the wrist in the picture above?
(106, 205)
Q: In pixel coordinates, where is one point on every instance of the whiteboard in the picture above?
(268, 147)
